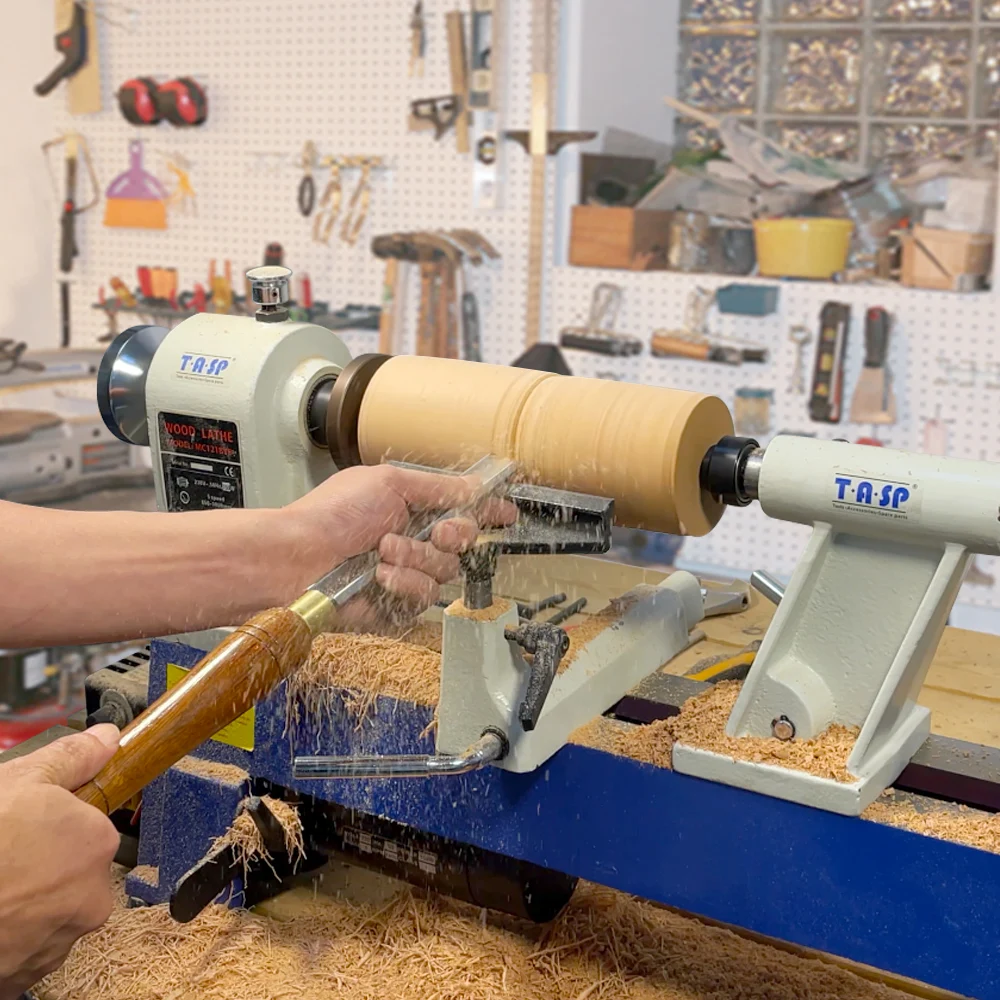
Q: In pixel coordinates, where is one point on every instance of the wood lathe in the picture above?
(256, 411)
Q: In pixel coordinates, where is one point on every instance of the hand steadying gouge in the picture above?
(348, 580)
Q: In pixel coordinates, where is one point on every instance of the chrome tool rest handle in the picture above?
(767, 585)
(491, 746)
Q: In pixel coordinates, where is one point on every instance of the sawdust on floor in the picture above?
(356, 668)
(944, 821)
(702, 723)
(605, 945)
(247, 841)
(229, 774)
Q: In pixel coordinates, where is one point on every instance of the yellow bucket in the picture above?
(802, 248)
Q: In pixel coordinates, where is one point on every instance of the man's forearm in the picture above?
(68, 576)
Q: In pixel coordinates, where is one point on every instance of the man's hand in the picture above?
(216, 567)
(369, 507)
(55, 856)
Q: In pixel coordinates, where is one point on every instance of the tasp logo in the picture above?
(877, 495)
(203, 365)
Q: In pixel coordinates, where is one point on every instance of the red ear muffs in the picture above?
(182, 102)
(137, 100)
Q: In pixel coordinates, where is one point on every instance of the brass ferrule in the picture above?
(316, 610)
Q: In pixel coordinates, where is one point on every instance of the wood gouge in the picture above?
(247, 665)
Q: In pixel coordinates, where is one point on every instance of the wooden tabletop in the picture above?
(17, 425)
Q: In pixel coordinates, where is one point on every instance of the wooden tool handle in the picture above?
(243, 668)
(425, 322)
(678, 347)
(387, 318)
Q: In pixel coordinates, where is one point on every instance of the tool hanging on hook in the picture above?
(799, 336)
(183, 101)
(329, 203)
(826, 400)
(71, 44)
(437, 113)
(75, 146)
(458, 64)
(418, 40)
(182, 194)
(599, 335)
(448, 322)
(306, 194)
(137, 101)
(487, 50)
(357, 209)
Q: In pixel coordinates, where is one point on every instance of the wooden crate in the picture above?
(630, 238)
(946, 259)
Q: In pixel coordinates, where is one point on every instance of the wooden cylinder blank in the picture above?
(242, 669)
(641, 445)
(441, 412)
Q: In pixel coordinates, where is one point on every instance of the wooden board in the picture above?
(541, 111)
(83, 89)
(19, 425)
(459, 66)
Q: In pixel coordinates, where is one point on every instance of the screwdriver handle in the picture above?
(876, 337)
(242, 669)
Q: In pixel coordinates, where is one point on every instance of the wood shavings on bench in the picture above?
(702, 723)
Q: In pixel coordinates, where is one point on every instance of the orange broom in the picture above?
(135, 198)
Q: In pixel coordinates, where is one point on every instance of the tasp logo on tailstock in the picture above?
(881, 497)
(206, 366)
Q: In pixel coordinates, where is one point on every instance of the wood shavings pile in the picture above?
(499, 606)
(652, 743)
(149, 874)
(702, 723)
(591, 627)
(364, 666)
(945, 821)
(430, 635)
(247, 841)
(229, 774)
(605, 945)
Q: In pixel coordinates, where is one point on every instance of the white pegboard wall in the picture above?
(335, 73)
(926, 325)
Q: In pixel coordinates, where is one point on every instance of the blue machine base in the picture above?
(919, 907)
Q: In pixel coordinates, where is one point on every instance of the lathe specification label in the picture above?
(201, 462)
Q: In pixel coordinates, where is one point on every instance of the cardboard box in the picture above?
(630, 238)
(945, 259)
(971, 206)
